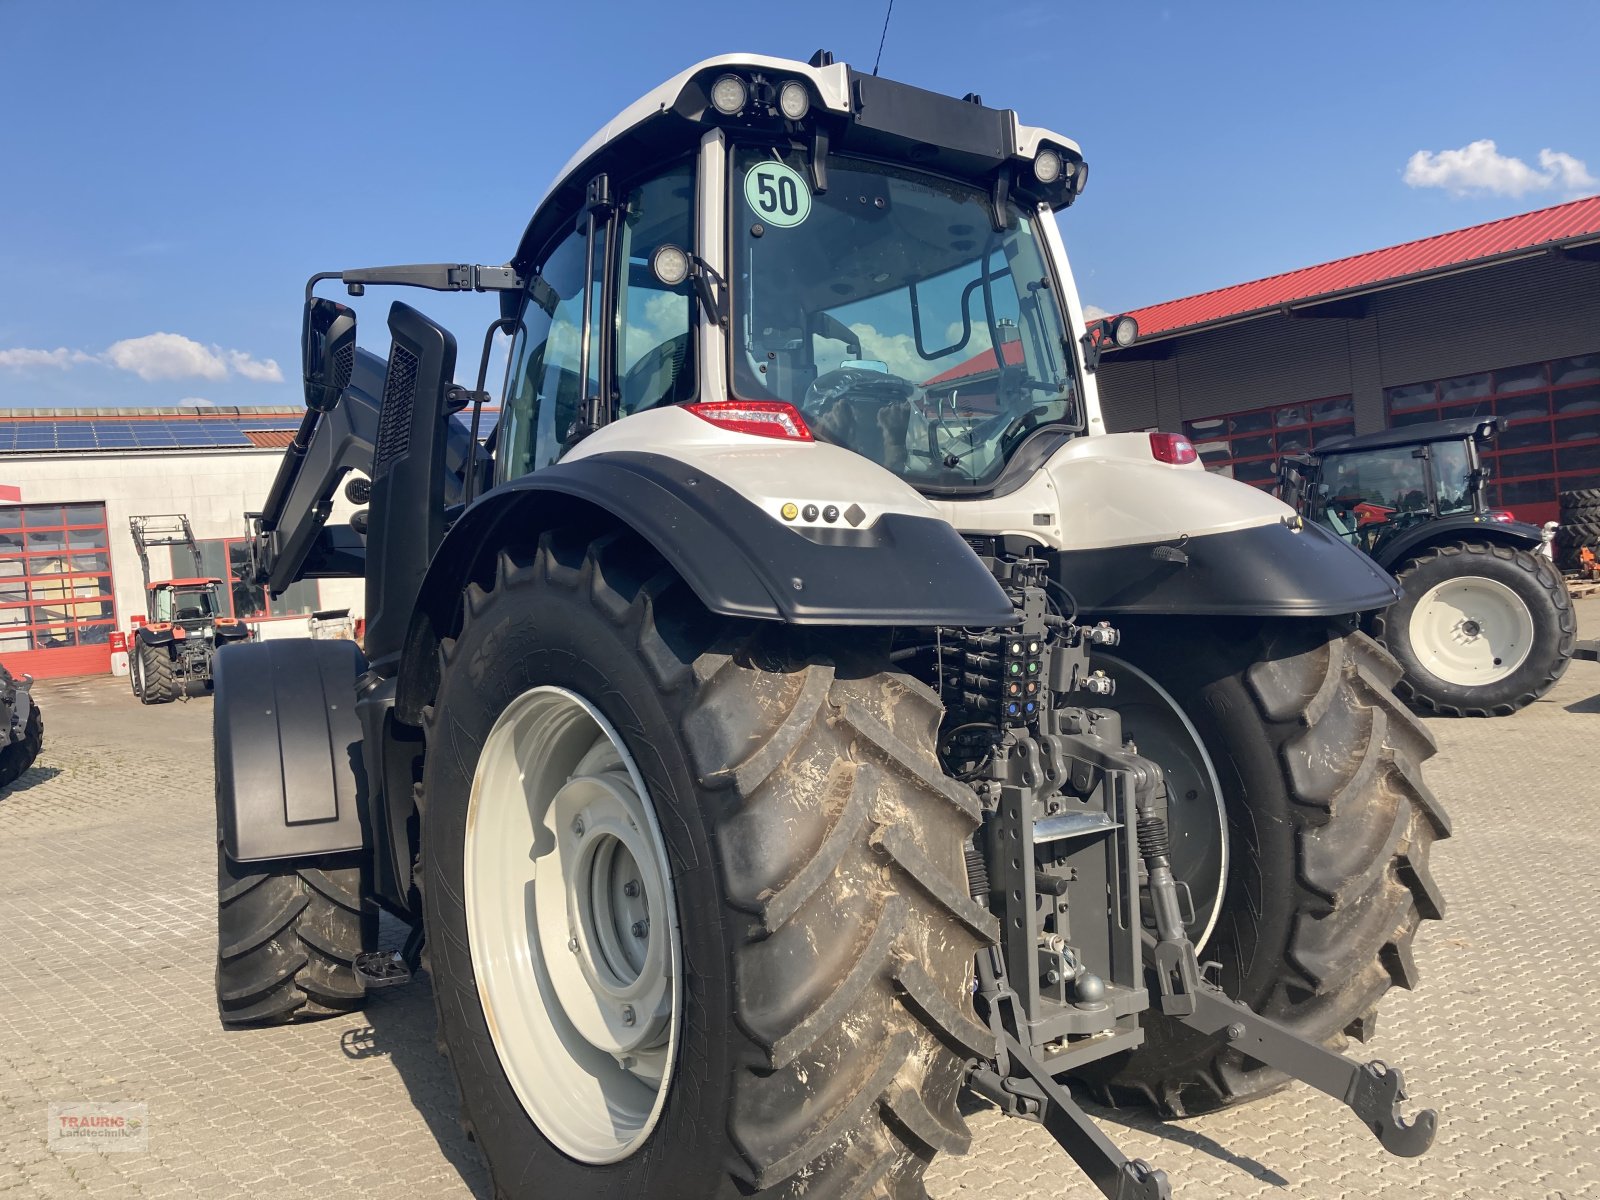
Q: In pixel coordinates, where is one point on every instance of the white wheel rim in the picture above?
(581, 1000)
(1471, 631)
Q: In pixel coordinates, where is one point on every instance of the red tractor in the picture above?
(169, 656)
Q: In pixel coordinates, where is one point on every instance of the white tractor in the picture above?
(801, 712)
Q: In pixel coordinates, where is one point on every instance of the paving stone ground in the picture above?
(107, 942)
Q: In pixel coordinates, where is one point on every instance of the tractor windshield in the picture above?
(895, 317)
(184, 604)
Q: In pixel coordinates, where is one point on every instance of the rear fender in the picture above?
(714, 510)
(1131, 535)
(1468, 527)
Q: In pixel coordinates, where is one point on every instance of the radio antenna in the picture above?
(883, 37)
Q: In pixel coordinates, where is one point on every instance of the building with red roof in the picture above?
(1499, 318)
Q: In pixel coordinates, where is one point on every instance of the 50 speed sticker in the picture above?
(778, 194)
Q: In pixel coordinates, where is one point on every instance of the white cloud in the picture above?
(1570, 173)
(61, 358)
(155, 356)
(262, 370)
(196, 402)
(1093, 312)
(166, 356)
(1480, 167)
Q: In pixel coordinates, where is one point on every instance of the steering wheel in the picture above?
(855, 383)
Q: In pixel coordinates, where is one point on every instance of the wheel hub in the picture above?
(572, 925)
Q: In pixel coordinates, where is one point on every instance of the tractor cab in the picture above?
(1375, 489)
(191, 603)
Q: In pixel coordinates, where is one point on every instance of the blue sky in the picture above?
(179, 169)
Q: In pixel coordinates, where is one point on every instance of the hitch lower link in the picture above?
(1371, 1090)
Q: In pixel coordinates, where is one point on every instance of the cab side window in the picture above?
(544, 390)
(655, 339)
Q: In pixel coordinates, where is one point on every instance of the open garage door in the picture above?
(57, 607)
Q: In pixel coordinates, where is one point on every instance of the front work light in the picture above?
(670, 264)
(729, 95)
(1047, 166)
(1124, 330)
(794, 101)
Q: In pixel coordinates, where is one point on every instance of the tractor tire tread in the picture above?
(287, 938)
(19, 755)
(806, 751)
(1362, 824)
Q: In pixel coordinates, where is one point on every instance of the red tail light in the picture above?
(1503, 516)
(765, 418)
(1172, 448)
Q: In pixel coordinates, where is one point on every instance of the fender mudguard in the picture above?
(1517, 534)
(1281, 569)
(290, 775)
(901, 570)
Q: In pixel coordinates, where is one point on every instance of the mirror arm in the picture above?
(713, 299)
(438, 277)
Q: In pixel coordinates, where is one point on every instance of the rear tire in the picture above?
(1330, 828)
(157, 682)
(1528, 577)
(816, 855)
(19, 755)
(288, 934)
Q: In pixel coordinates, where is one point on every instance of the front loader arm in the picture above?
(290, 539)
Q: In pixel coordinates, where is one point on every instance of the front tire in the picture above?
(1329, 825)
(1482, 630)
(815, 852)
(288, 934)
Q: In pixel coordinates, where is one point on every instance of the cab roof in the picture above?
(1413, 435)
(178, 583)
(930, 125)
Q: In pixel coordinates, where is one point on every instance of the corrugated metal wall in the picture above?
(1539, 308)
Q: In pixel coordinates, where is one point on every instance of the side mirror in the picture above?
(327, 352)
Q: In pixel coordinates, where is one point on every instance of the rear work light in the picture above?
(765, 418)
(1172, 448)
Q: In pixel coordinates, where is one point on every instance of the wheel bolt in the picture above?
(572, 944)
(628, 1017)
(577, 826)
(641, 928)
(631, 888)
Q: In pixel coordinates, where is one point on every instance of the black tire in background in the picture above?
(19, 755)
(287, 937)
(157, 682)
(1532, 577)
(817, 858)
(1330, 825)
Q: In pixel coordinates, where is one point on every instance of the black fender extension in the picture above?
(903, 570)
(291, 779)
